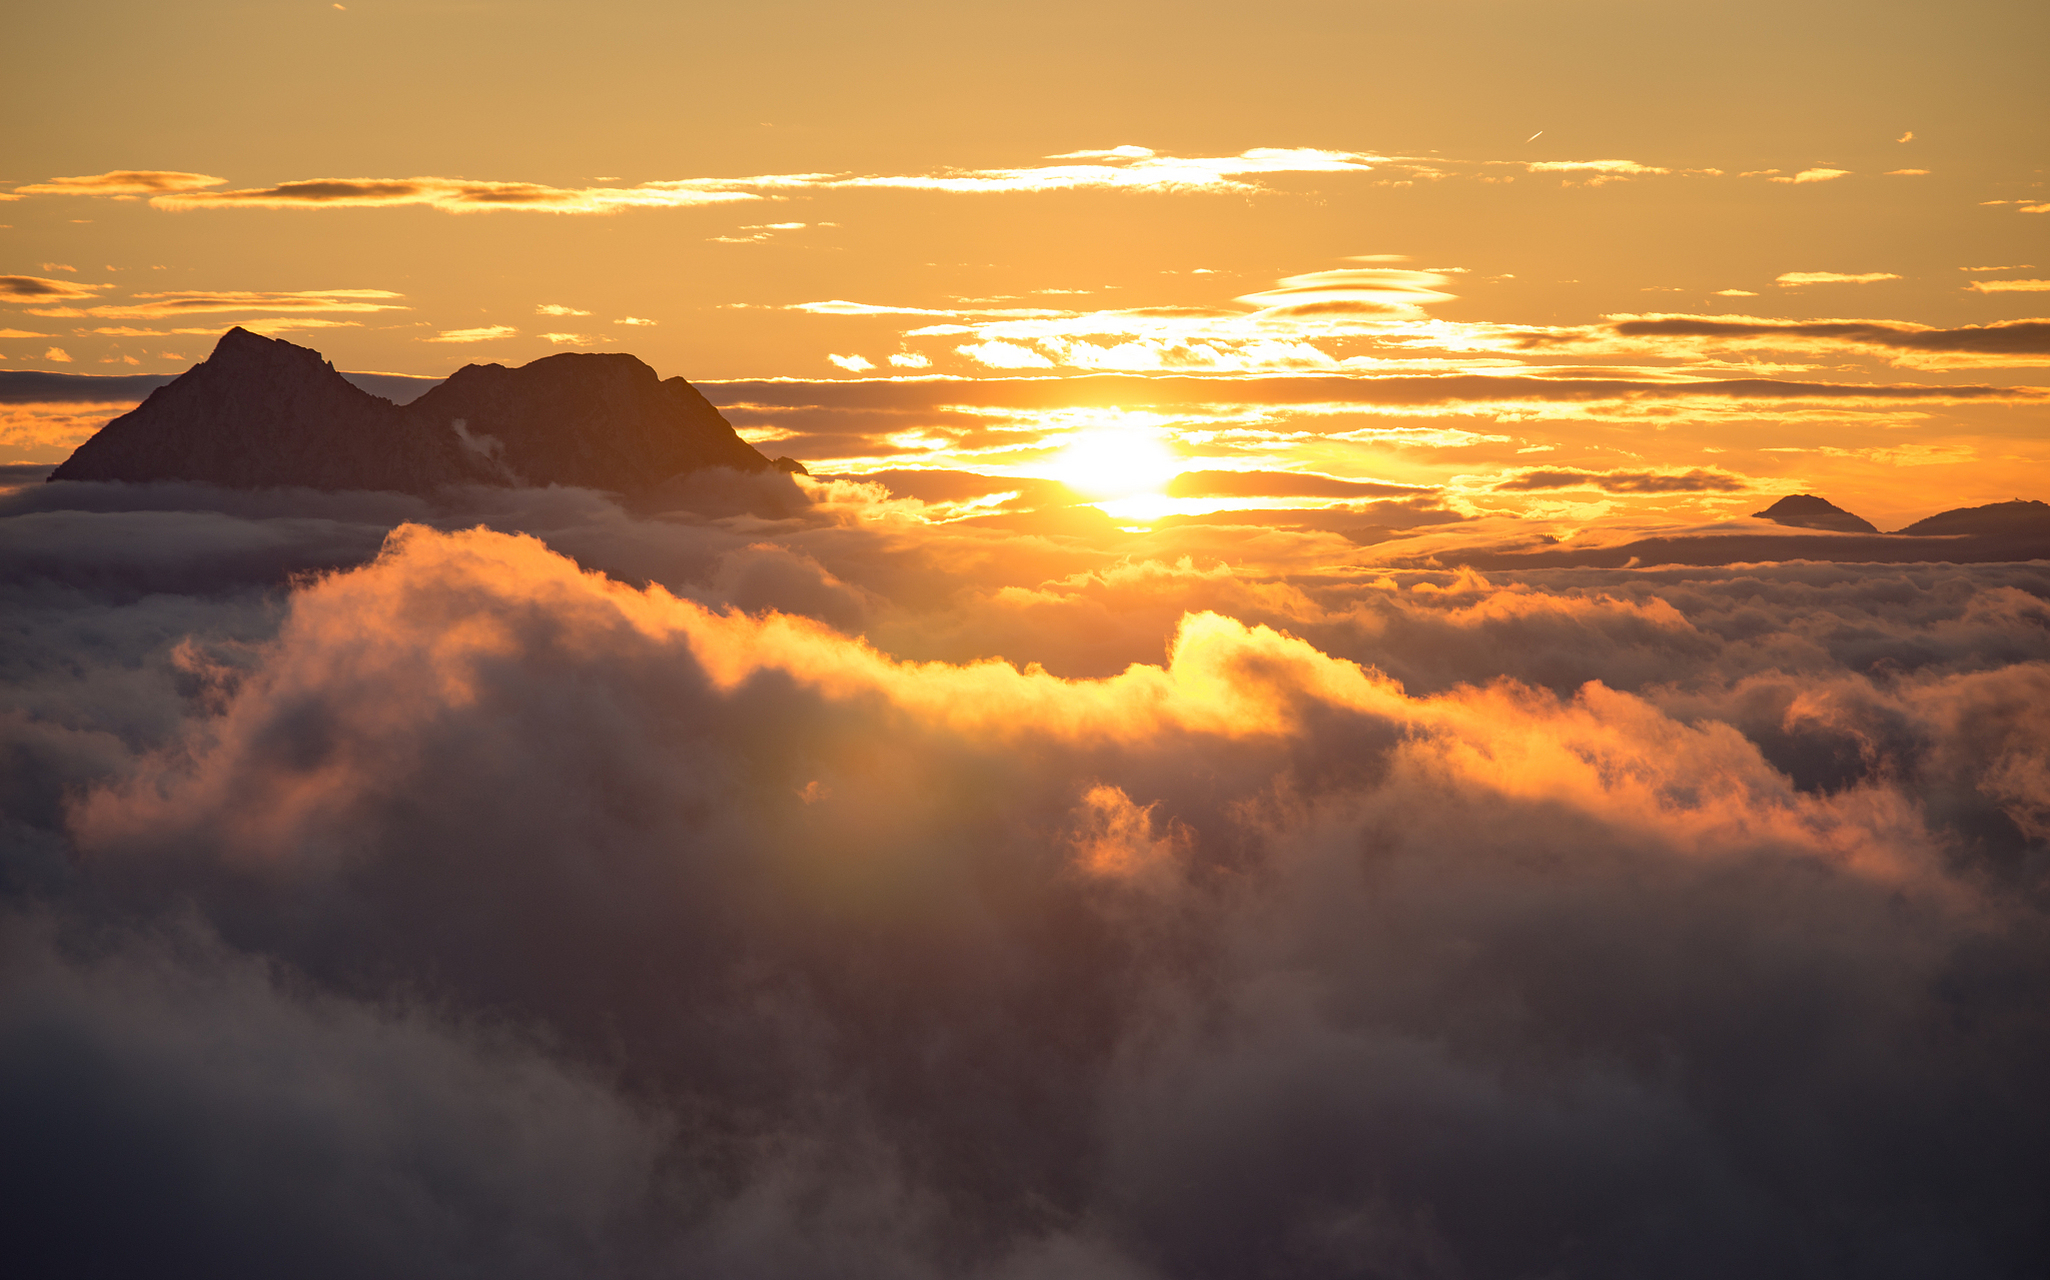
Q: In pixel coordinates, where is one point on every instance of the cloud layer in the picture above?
(1092, 916)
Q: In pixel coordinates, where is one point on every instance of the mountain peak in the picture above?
(1806, 511)
(2021, 516)
(262, 412)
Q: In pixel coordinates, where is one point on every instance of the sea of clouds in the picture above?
(778, 885)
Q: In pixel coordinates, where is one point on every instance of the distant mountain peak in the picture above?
(2018, 517)
(262, 412)
(1806, 511)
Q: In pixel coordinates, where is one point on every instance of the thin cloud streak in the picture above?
(21, 289)
(1119, 169)
(1092, 390)
(2011, 342)
(1124, 168)
(1832, 277)
(1696, 480)
(123, 182)
(171, 304)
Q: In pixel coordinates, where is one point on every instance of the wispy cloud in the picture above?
(1271, 329)
(1794, 278)
(1625, 168)
(260, 324)
(2009, 286)
(1283, 484)
(1133, 168)
(485, 333)
(2013, 342)
(1351, 292)
(37, 289)
(557, 309)
(122, 182)
(459, 195)
(1698, 480)
(1820, 173)
(153, 306)
(1174, 392)
(996, 354)
(1596, 173)
(1127, 168)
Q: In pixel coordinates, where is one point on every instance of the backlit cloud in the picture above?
(925, 395)
(1273, 329)
(1225, 908)
(457, 195)
(1595, 173)
(483, 333)
(1620, 168)
(1697, 480)
(257, 324)
(1818, 174)
(123, 182)
(1117, 169)
(1353, 291)
(2017, 341)
(1790, 278)
(19, 289)
(172, 304)
(2009, 286)
(1282, 484)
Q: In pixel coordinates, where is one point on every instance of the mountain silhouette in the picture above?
(1806, 511)
(261, 412)
(2017, 519)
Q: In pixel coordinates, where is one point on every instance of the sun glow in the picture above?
(1106, 463)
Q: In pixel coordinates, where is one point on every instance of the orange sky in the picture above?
(1593, 204)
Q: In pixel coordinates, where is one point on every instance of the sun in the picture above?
(1106, 463)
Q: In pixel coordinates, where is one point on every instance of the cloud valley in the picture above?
(527, 884)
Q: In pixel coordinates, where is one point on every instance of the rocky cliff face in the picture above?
(260, 412)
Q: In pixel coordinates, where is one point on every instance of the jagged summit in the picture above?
(1806, 511)
(258, 412)
(262, 412)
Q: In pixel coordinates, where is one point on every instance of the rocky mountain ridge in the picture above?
(264, 413)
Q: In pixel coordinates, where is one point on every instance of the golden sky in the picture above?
(1575, 261)
(1269, 740)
